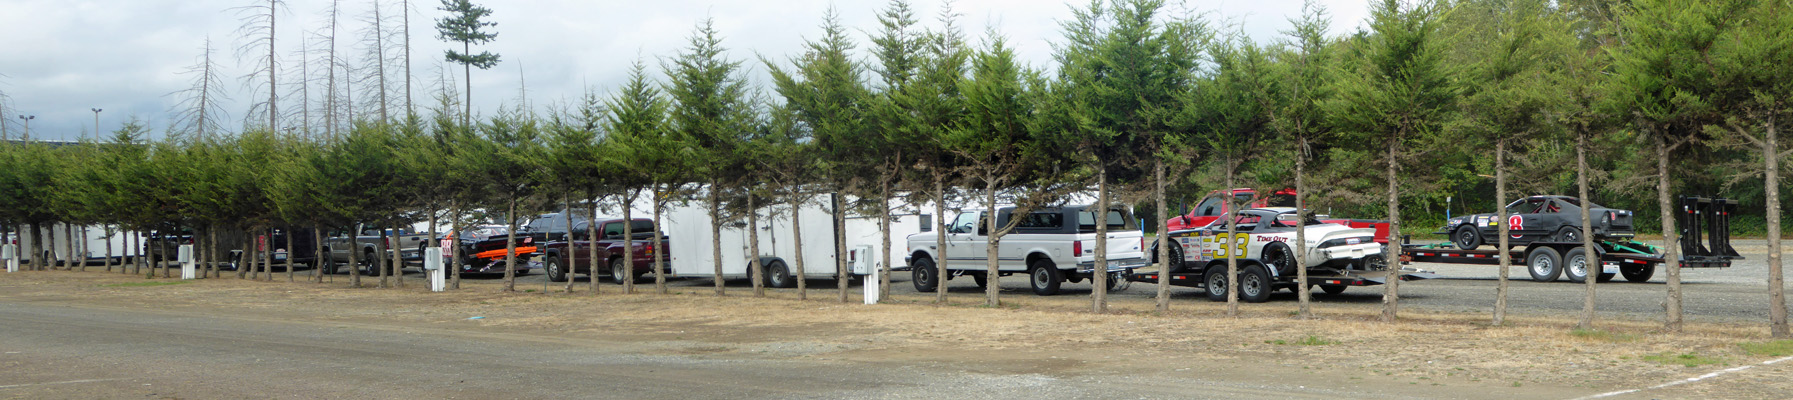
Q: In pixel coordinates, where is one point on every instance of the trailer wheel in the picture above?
(1576, 265)
(779, 276)
(923, 275)
(1638, 273)
(1333, 289)
(1467, 238)
(1215, 281)
(1045, 277)
(556, 272)
(1544, 263)
(1254, 284)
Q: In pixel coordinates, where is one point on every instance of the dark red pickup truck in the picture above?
(556, 256)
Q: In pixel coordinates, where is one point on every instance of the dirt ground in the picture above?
(1422, 355)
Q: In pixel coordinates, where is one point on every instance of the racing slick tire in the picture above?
(1176, 255)
(1544, 264)
(1254, 284)
(1568, 234)
(1280, 258)
(1333, 289)
(1044, 276)
(923, 275)
(1467, 238)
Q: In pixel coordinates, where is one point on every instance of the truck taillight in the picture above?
(650, 249)
(1077, 248)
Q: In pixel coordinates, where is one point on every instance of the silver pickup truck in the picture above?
(368, 245)
(1051, 246)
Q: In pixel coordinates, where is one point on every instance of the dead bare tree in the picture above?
(199, 108)
(257, 29)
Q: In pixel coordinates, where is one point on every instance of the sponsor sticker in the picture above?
(1353, 241)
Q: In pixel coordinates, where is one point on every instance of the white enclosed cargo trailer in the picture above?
(690, 241)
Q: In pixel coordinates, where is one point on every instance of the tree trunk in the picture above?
(383, 266)
(108, 260)
(629, 242)
(354, 259)
(716, 236)
(454, 251)
(1391, 295)
(245, 257)
(844, 277)
(659, 249)
(435, 237)
(1165, 265)
(1777, 289)
(797, 242)
(1504, 256)
(1231, 248)
(200, 259)
(1670, 238)
(82, 255)
(884, 237)
(290, 251)
(756, 271)
(318, 257)
(1303, 291)
(566, 257)
(591, 248)
(1099, 271)
(993, 238)
(940, 237)
(510, 248)
(397, 267)
(1593, 267)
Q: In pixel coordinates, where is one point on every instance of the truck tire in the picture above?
(779, 276)
(1544, 263)
(372, 266)
(1577, 266)
(1638, 273)
(1215, 281)
(1254, 284)
(923, 275)
(982, 279)
(1467, 238)
(1045, 277)
(556, 271)
(618, 273)
(327, 264)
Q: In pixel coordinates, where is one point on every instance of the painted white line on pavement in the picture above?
(62, 383)
(1688, 380)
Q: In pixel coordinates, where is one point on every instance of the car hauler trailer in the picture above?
(692, 246)
(1339, 256)
(1637, 261)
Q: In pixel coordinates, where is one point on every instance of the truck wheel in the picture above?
(982, 279)
(923, 275)
(1045, 277)
(1544, 263)
(1279, 257)
(328, 263)
(1333, 289)
(1577, 265)
(556, 271)
(1467, 238)
(1215, 281)
(1254, 284)
(778, 275)
(1638, 273)
(619, 274)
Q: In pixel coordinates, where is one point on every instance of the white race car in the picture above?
(1266, 236)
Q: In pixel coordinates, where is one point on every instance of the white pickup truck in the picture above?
(1051, 245)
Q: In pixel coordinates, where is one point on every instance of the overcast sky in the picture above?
(61, 58)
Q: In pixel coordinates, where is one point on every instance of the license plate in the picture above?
(1609, 268)
(1353, 241)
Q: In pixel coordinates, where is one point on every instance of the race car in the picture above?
(1539, 219)
(1264, 243)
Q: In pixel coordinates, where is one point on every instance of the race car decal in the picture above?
(1515, 223)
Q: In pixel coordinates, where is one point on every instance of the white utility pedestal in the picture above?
(10, 253)
(871, 289)
(188, 270)
(432, 264)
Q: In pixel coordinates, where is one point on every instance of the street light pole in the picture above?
(96, 125)
(27, 119)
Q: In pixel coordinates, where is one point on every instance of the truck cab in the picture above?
(1051, 245)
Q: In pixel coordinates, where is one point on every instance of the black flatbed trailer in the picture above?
(1324, 277)
(1635, 260)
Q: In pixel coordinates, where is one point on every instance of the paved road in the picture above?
(65, 351)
